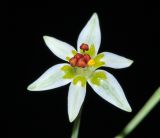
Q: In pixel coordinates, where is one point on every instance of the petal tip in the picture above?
(95, 16)
(131, 62)
(72, 116)
(45, 37)
(29, 88)
(71, 119)
(127, 108)
(32, 87)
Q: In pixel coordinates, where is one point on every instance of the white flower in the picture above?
(82, 67)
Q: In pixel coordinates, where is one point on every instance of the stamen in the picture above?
(84, 47)
(73, 61)
(78, 56)
(86, 57)
(81, 63)
(82, 59)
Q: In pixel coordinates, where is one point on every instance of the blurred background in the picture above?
(130, 29)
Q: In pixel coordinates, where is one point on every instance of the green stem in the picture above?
(76, 126)
(150, 104)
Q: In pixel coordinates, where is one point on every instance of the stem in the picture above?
(150, 104)
(76, 126)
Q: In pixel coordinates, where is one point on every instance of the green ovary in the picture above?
(97, 77)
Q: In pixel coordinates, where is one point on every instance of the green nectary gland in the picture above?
(98, 62)
(97, 77)
(68, 72)
(74, 52)
(80, 79)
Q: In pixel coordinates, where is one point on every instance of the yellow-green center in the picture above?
(81, 75)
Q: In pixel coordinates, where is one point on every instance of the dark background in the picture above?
(129, 29)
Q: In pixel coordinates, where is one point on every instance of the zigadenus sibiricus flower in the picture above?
(82, 67)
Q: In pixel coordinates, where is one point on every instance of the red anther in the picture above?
(81, 63)
(86, 57)
(84, 47)
(78, 56)
(73, 61)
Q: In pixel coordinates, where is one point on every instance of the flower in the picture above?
(82, 67)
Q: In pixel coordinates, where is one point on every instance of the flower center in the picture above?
(83, 65)
(83, 59)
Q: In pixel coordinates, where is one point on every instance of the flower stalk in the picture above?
(76, 126)
(150, 104)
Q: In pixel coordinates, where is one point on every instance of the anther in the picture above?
(81, 63)
(86, 57)
(78, 56)
(73, 61)
(84, 47)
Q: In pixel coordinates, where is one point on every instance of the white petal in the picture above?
(76, 97)
(59, 48)
(91, 33)
(52, 78)
(111, 91)
(115, 61)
